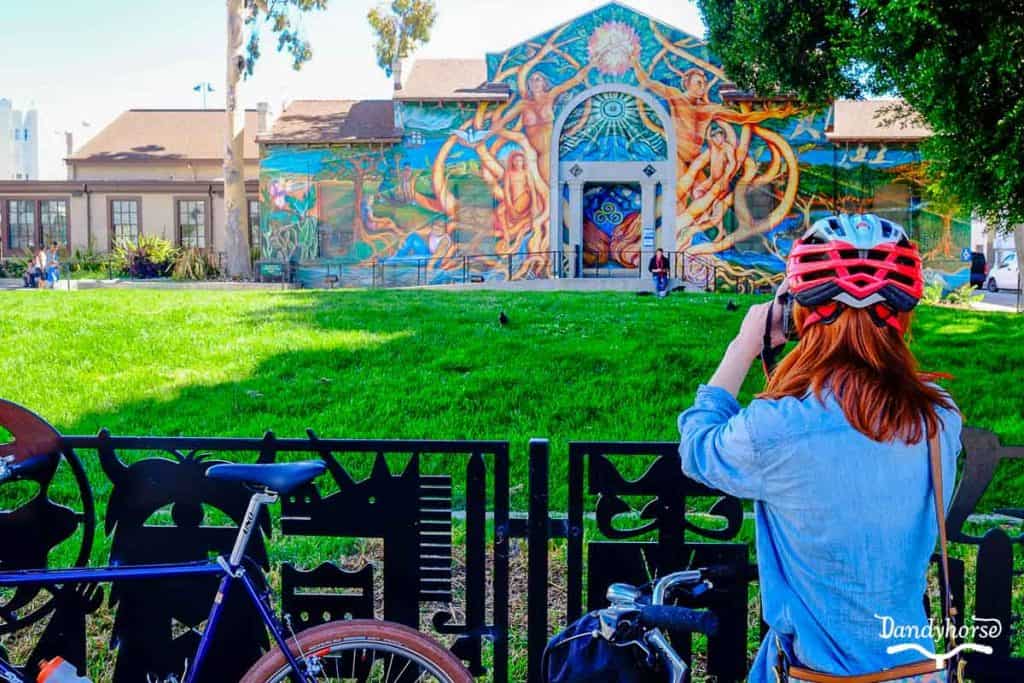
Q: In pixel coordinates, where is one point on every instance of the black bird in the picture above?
(731, 306)
(502, 318)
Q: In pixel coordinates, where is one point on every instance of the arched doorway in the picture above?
(613, 177)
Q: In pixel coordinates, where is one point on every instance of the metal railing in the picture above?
(327, 273)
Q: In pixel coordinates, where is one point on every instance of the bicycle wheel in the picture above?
(363, 650)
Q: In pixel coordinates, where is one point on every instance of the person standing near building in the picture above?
(658, 265)
(53, 265)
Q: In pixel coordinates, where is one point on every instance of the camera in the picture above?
(789, 329)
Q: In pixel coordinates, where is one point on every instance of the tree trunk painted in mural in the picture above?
(235, 206)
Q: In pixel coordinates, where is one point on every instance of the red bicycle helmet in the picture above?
(856, 261)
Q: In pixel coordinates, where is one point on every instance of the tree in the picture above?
(958, 64)
(400, 29)
(241, 61)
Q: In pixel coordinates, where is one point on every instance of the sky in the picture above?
(81, 63)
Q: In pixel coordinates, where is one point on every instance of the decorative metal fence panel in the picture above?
(161, 508)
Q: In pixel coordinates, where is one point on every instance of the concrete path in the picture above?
(1004, 302)
(609, 284)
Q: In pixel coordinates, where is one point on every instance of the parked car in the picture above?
(979, 269)
(1005, 275)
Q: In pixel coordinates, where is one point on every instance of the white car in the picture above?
(1005, 275)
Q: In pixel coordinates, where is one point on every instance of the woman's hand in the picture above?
(746, 346)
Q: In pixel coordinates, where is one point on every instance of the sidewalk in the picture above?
(161, 283)
(1003, 302)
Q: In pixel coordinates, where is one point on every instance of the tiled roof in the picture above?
(459, 80)
(335, 121)
(166, 135)
(881, 120)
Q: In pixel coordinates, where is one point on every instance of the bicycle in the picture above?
(638, 617)
(363, 650)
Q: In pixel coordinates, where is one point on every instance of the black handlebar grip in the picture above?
(675, 619)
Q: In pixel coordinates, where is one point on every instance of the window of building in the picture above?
(254, 223)
(53, 221)
(21, 223)
(192, 223)
(124, 220)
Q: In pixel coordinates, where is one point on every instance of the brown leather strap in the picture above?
(935, 458)
(895, 674)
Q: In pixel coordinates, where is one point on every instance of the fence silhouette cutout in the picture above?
(630, 517)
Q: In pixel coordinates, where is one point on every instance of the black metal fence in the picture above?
(419, 532)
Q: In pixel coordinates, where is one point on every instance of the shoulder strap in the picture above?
(935, 456)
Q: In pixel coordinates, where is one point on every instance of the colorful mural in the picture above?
(478, 178)
(611, 225)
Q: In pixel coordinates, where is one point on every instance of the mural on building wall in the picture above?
(475, 178)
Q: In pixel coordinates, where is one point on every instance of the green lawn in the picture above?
(413, 364)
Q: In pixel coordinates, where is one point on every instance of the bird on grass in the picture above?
(731, 306)
(503, 319)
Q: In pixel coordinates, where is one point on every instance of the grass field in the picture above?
(404, 364)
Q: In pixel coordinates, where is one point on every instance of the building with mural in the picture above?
(576, 153)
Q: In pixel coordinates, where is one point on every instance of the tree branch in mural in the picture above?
(709, 155)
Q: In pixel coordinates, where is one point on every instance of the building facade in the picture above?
(578, 152)
(19, 143)
(150, 172)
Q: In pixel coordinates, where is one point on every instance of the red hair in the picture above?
(869, 369)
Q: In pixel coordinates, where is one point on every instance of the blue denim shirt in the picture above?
(845, 525)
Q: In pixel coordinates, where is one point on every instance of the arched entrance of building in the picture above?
(613, 178)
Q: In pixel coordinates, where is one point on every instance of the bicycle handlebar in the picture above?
(676, 619)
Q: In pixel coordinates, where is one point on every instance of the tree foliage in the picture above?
(958, 63)
(281, 16)
(400, 28)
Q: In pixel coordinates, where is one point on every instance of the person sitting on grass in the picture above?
(836, 455)
(658, 266)
(34, 272)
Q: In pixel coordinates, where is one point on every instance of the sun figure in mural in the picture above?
(609, 126)
(612, 47)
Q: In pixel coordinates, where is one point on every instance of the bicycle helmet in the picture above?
(856, 261)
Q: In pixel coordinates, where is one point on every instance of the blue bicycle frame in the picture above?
(230, 570)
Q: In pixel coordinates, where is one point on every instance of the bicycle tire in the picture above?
(340, 637)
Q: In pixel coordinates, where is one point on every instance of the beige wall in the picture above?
(89, 220)
(196, 170)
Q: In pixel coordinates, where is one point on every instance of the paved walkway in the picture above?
(607, 284)
(66, 285)
(1004, 302)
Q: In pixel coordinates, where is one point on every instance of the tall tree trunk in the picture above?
(236, 208)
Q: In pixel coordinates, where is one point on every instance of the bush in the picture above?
(13, 267)
(90, 263)
(193, 264)
(148, 257)
(963, 295)
(932, 293)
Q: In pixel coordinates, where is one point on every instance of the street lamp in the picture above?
(203, 88)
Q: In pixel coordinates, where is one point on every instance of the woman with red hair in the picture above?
(835, 454)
